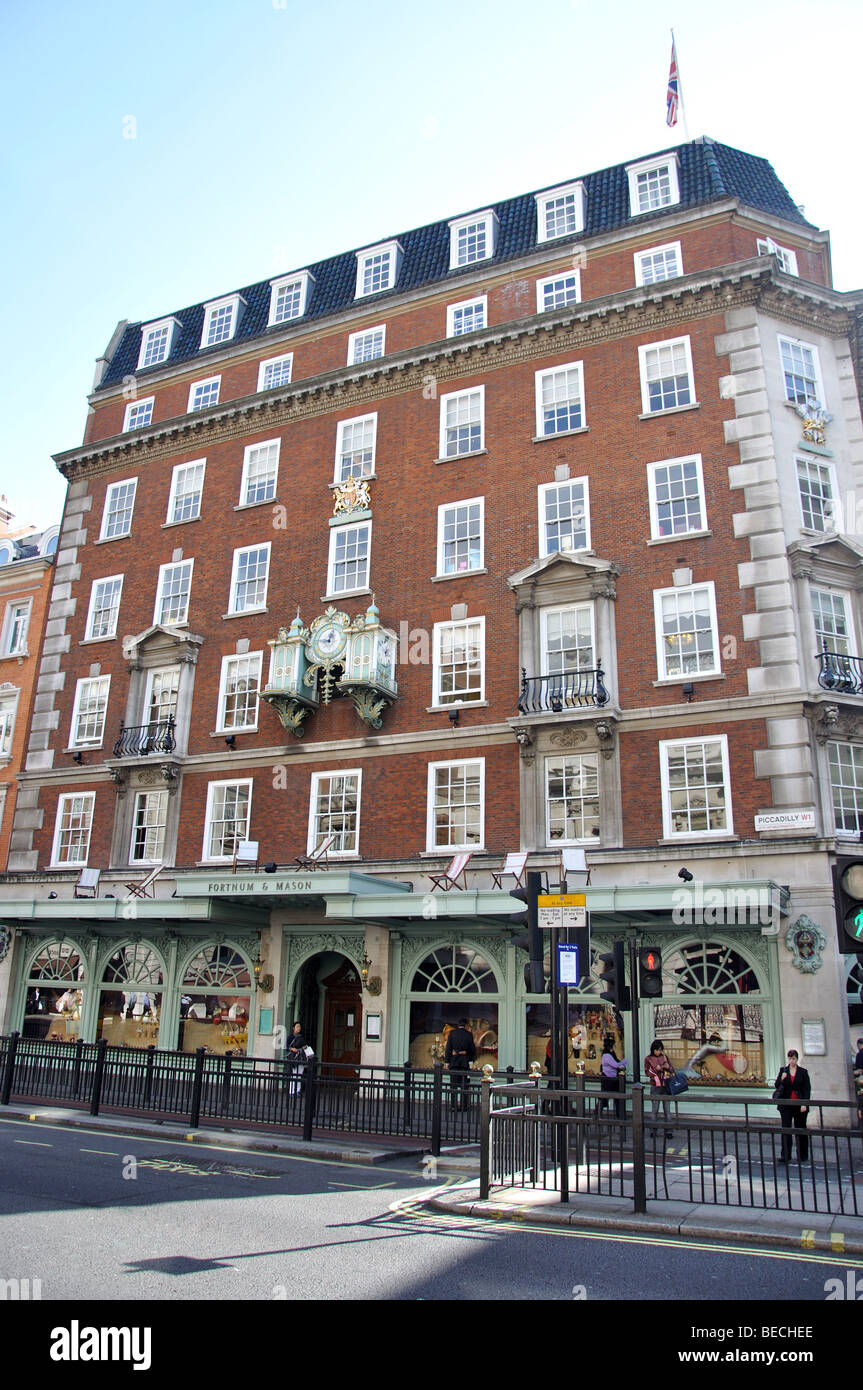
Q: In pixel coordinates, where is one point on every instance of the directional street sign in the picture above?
(562, 910)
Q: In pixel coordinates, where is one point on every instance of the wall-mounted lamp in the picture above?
(688, 690)
(365, 967)
(556, 704)
(264, 982)
(271, 867)
(685, 875)
(231, 741)
(78, 758)
(453, 716)
(52, 896)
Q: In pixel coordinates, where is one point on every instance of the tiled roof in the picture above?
(708, 172)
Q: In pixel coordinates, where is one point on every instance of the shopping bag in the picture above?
(677, 1084)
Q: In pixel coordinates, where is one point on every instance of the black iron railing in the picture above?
(136, 740)
(572, 1142)
(843, 675)
(565, 690)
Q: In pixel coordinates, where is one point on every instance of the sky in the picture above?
(163, 153)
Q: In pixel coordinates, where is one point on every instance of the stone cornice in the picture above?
(656, 309)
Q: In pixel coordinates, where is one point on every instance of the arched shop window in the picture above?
(55, 993)
(590, 1023)
(215, 1002)
(130, 997)
(711, 1019)
(453, 982)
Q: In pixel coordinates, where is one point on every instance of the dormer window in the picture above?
(378, 268)
(472, 238)
(787, 259)
(289, 297)
(653, 184)
(156, 342)
(560, 212)
(221, 320)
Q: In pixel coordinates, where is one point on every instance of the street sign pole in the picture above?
(633, 990)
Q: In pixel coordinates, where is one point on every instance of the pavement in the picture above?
(835, 1233)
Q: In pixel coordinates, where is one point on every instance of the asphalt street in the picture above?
(103, 1216)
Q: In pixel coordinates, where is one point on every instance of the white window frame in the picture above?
(452, 310)
(95, 587)
(10, 644)
(133, 408)
(656, 532)
(663, 673)
(87, 802)
(548, 281)
(212, 788)
(669, 833)
(392, 251)
(544, 641)
(487, 218)
(200, 386)
(235, 570)
(643, 352)
(82, 692)
(575, 191)
(786, 257)
(245, 480)
(479, 393)
(649, 166)
(339, 474)
(285, 358)
(151, 330)
(566, 759)
(811, 461)
(213, 310)
(475, 693)
(669, 248)
(542, 493)
(141, 800)
(8, 714)
(302, 278)
(164, 571)
(540, 378)
(356, 355)
(255, 660)
(106, 511)
(783, 340)
(335, 533)
(175, 495)
(432, 847)
(163, 711)
(834, 765)
(442, 513)
(318, 831)
(833, 640)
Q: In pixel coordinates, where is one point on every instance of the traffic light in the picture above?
(848, 900)
(531, 941)
(613, 979)
(649, 972)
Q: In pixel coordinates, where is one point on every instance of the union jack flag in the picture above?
(673, 99)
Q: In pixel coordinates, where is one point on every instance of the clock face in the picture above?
(328, 642)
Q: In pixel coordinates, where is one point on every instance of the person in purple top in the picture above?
(609, 1069)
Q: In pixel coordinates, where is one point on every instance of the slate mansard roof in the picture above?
(708, 173)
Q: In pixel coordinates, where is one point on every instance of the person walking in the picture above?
(793, 1090)
(460, 1052)
(297, 1056)
(658, 1070)
(610, 1069)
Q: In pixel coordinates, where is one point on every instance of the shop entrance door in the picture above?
(342, 1037)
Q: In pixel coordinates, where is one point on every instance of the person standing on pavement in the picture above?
(793, 1088)
(658, 1070)
(460, 1052)
(610, 1069)
(296, 1053)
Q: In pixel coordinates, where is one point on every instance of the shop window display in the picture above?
(215, 1003)
(130, 998)
(718, 1041)
(590, 1022)
(453, 971)
(55, 995)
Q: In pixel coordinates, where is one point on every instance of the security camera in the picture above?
(685, 875)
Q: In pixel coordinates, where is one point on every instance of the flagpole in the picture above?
(680, 91)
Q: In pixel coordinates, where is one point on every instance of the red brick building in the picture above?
(517, 531)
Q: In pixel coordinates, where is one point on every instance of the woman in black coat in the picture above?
(793, 1090)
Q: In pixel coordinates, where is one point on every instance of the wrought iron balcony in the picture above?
(137, 740)
(565, 690)
(843, 675)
